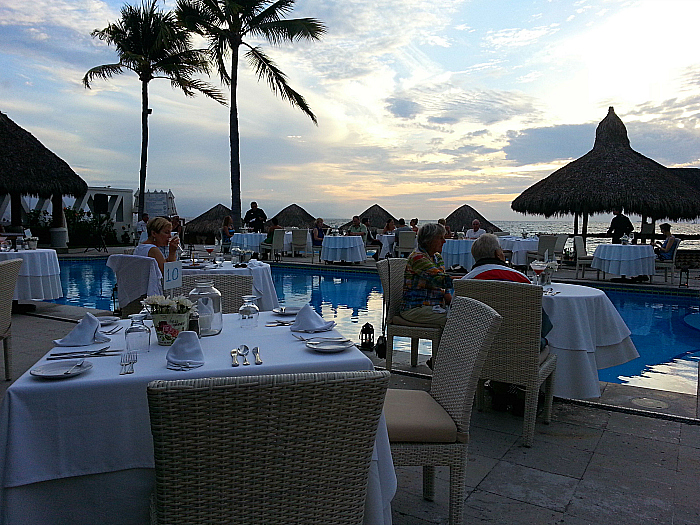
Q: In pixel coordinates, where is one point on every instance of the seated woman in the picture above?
(158, 230)
(448, 232)
(226, 234)
(664, 250)
(271, 230)
(413, 223)
(317, 233)
(389, 227)
(427, 289)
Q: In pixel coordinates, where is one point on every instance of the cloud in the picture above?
(514, 38)
(540, 145)
(403, 108)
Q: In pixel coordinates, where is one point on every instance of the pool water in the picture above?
(669, 348)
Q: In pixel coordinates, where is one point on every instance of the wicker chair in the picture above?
(391, 275)
(288, 449)
(583, 260)
(9, 271)
(277, 246)
(516, 356)
(669, 264)
(545, 243)
(432, 428)
(405, 242)
(231, 286)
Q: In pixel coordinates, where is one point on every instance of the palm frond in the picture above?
(279, 31)
(103, 72)
(265, 68)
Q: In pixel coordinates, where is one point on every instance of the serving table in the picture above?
(348, 248)
(458, 251)
(629, 260)
(79, 450)
(263, 287)
(39, 276)
(588, 334)
(519, 247)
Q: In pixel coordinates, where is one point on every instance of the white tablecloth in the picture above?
(263, 287)
(625, 259)
(248, 241)
(588, 334)
(348, 248)
(387, 241)
(519, 247)
(79, 450)
(39, 275)
(288, 242)
(458, 251)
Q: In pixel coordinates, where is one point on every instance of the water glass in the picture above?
(219, 259)
(138, 335)
(248, 313)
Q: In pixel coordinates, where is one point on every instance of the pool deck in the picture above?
(631, 457)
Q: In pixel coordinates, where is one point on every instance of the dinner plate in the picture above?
(288, 310)
(328, 347)
(108, 319)
(58, 370)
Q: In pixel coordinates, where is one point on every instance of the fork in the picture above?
(112, 331)
(133, 357)
(124, 363)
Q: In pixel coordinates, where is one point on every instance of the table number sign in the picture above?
(172, 275)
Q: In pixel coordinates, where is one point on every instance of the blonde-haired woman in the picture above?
(158, 230)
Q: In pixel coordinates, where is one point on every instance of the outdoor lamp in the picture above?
(367, 337)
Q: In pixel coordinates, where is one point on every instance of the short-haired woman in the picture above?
(317, 233)
(158, 230)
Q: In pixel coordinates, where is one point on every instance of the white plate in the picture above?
(108, 319)
(288, 310)
(58, 370)
(328, 347)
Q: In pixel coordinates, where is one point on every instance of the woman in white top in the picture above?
(158, 230)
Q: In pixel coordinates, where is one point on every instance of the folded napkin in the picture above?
(185, 352)
(253, 263)
(309, 321)
(85, 333)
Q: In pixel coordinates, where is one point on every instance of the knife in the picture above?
(83, 356)
(256, 353)
(87, 352)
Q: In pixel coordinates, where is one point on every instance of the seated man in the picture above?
(476, 231)
(402, 227)
(358, 229)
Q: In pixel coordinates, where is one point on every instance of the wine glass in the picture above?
(538, 267)
(210, 250)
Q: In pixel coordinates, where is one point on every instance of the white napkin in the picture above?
(185, 352)
(309, 321)
(85, 333)
(254, 263)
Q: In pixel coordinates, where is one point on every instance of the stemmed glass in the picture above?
(538, 267)
(209, 249)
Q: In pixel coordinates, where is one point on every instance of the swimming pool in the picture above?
(669, 349)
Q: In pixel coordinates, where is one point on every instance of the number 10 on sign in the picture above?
(172, 277)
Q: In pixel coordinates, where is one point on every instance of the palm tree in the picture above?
(152, 44)
(225, 23)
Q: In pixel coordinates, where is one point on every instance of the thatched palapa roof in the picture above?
(377, 217)
(611, 175)
(463, 217)
(294, 216)
(27, 167)
(209, 222)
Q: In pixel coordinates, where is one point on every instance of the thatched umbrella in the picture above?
(462, 218)
(27, 167)
(609, 176)
(294, 216)
(377, 217)
(203, 229)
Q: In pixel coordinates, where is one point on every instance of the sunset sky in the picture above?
(421, 106)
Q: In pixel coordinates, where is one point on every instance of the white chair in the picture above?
(406, 242)
(137, 277)
(545, 243)
(299, 238)
(559, 246)
(9, 271)
(669, 264)
(583, 260)
(277, 246)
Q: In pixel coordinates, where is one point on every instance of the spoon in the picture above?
(243, 351)
(76, 365)
(234, 357)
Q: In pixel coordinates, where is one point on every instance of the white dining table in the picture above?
(79, 450)
(387, 240)
(519, 247)
(629, 260)
(588, 335)
(263, 286)
(39, 276)
(247, 241)
(348, 248)
(458, 251)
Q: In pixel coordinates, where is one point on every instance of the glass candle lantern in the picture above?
(208, 301)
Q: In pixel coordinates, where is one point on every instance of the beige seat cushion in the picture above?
(397, 319)
(414, 416)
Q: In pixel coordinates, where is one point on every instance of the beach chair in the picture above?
(669, 264)
(308, 441)
(583, 260)
(431, 429)
(9, 271)
(406, 243)
(516, 357)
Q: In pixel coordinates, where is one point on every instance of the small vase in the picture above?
(168, 326)
(32, 244)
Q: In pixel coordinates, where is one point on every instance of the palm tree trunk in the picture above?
(144, 146)
(234, 138)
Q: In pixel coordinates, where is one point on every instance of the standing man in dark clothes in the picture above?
(255, 217)
(619, 226)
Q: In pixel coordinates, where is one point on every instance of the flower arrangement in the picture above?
(158, 304)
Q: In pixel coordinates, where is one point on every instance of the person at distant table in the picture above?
(413, 223)
(158, 230)
(402, 227)
(141, 230)
(619, 226)
(177, 226)
(271, 230)
(358, 229)
(389, 227)
(476, 231)
(448, 232)
(317, 233)
(226, 234)
(664, 250)
(255, 218)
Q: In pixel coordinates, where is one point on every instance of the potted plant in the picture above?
(32, 242)
(170, 316)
